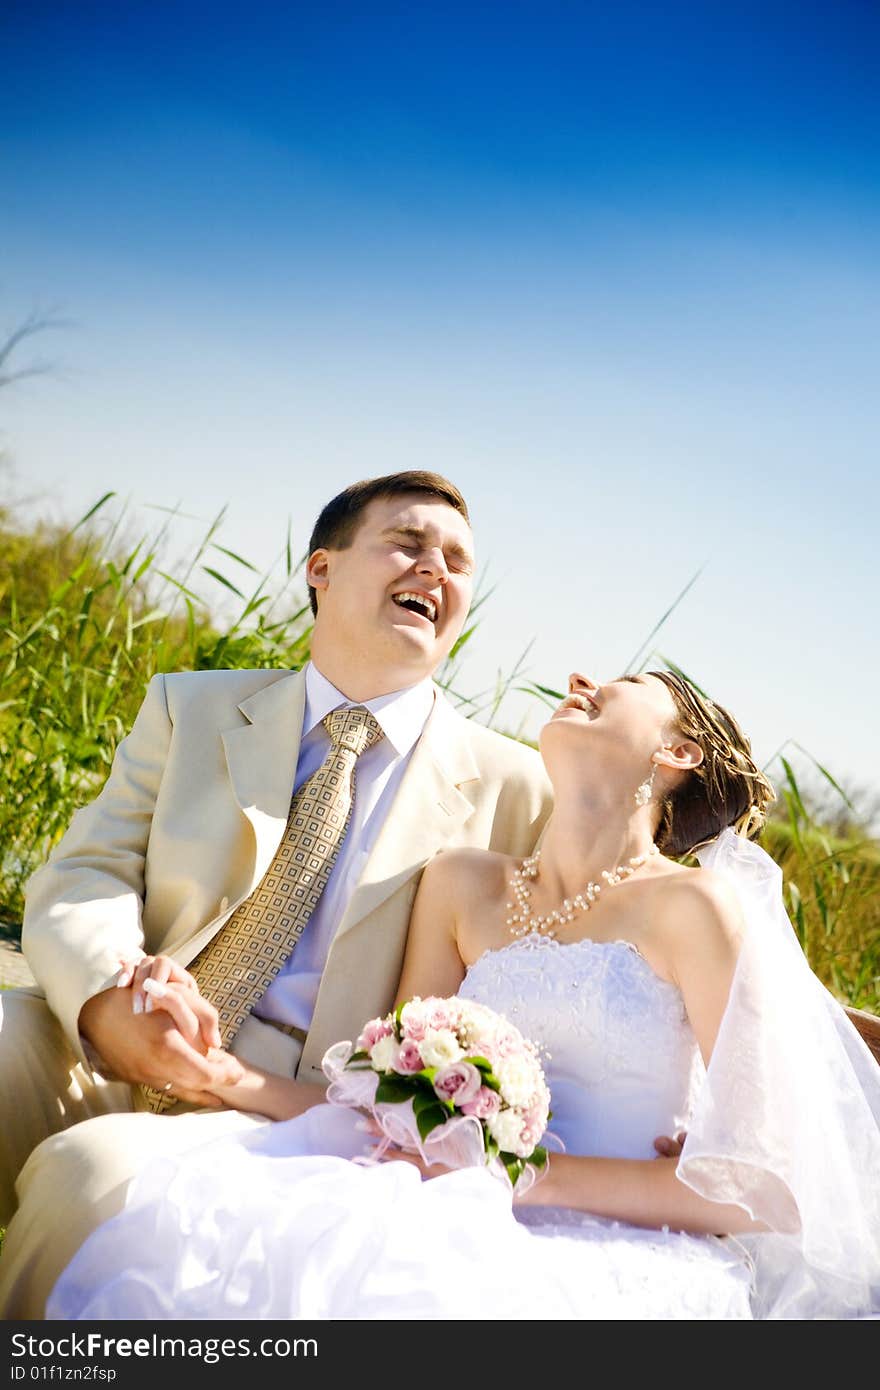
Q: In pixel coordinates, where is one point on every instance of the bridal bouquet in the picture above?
(451, 1080)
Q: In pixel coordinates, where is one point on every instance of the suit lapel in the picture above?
(425, 813)
(428, 809)
(261, 757)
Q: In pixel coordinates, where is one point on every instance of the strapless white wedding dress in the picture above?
(280, 1224)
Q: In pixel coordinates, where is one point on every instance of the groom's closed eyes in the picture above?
(417, 538)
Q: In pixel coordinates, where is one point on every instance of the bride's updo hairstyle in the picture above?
(727, 788)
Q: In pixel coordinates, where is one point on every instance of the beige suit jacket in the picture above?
(193, 811)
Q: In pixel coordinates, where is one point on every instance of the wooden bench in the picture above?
(869, 1027)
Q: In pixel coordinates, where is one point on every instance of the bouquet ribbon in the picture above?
(459, 1143)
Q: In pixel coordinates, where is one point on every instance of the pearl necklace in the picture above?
(521, 924)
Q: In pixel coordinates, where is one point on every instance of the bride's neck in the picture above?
(583, 838)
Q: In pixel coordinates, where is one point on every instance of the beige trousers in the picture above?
(78, 1176)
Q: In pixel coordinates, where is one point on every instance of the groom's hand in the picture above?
(165, 1045)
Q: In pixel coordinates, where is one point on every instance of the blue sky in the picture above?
(612, 268)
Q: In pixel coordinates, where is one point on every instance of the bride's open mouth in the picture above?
(579, 702)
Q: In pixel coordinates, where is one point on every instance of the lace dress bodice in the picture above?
(618, 1051)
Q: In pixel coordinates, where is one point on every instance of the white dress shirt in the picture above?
(402, 715)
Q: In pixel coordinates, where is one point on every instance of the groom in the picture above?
(190, 829)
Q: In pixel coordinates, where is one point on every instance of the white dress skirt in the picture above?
(281, 1223)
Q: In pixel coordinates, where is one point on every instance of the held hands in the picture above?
(154, 1027)
(159, 982)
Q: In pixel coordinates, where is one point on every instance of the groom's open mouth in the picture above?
(415, 602)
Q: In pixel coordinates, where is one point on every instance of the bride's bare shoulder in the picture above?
(462, 872)
(699, 900)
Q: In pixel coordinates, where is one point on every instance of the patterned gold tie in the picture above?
(236, 968)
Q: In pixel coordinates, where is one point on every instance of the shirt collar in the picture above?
(402, 714)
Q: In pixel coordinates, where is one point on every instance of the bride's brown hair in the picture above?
(728, 788)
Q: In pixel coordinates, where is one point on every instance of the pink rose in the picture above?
(414, 1020)
(486, 1102)
(409, 1057)
(535, 1124)
(533, 1127)
(374, 1030)
(507, 1044)
(442, 1013)
(460, 1082)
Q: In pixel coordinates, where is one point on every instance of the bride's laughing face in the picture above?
(619, 726)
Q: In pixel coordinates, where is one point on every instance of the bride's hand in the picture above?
(162, 970)
(158, 982)
(433, 1170)
(670, 1148)
(258, 1092)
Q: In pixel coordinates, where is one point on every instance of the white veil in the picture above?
(787, 1122)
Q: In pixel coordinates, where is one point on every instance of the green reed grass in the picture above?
(78, 647)
(88, 616)
(832, 888)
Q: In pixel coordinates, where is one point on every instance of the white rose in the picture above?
(506, 1129)
(440, 1048)
(516, 1076)
(476, 1016)
(478, 1026)
(384, 1054)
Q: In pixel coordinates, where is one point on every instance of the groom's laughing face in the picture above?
(397, 597)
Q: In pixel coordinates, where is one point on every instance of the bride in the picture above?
(664, 998)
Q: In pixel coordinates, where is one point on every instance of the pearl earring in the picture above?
(644, 790)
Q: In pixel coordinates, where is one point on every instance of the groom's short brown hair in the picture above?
(337, 525)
